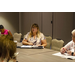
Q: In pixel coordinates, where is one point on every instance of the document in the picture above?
(26, 46)
(65, 55)
(32, 47)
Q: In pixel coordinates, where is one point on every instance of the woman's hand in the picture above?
(25, 42)
(39, 45)
(30, 43)
(69, 52)
(63, 50)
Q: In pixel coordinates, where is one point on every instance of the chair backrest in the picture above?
(49, 41)
(17, 37)
(57, 44)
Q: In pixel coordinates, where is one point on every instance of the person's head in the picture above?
(1, 28)
(34, 29)
(73, 35)
(7, 47)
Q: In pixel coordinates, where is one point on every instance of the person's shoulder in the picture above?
(70, 42)
(41, 33)
(7, 30)
(28, 33)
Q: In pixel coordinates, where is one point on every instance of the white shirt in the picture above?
(70, 46)
(35, 41)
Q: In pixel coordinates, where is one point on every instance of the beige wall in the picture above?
(10, 20)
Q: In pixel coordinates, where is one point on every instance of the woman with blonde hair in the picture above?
(34, 37)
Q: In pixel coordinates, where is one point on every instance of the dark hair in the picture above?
(1, 27)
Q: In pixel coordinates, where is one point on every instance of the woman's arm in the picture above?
(71, 53)
(24, 42)
(44, 43)
(66, 47)
(63, 50)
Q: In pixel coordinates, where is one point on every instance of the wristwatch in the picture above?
(72, 53)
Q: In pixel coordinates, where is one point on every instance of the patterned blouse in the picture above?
(70, 46)
(35, 41)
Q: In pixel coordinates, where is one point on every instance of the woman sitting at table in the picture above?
(70, 47)
(34, 37)
(5, 31)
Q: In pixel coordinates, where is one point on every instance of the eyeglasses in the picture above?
(34, 28)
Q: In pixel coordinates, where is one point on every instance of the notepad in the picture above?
(26, 46)
(65, 55)
(31, 47)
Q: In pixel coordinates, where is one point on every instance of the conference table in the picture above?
(39, 55)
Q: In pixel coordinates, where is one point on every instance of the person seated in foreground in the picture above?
(34, 37)
(69, 47)
(7, 49)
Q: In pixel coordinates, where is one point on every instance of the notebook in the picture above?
(30, 47)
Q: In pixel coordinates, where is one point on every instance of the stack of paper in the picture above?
(26, 46)
(32, 47)
(65, 55)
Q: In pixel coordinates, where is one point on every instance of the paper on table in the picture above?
(15, 41)
(65, 55)
(26, 46)
(33, 47)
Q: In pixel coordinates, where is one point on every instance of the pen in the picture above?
(65, 50)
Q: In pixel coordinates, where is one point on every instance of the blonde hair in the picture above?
(73, 31)
(38, 31)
